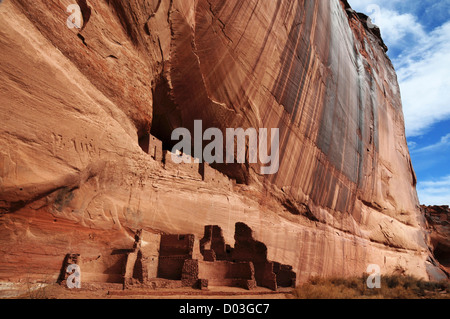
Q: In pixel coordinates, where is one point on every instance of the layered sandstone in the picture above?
(80, 172)
(438, 225)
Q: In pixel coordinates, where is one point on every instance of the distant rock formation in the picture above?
(87, 114)
(438, 224)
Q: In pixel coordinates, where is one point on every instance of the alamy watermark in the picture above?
(234, 145)
(75, 20)
(374, 279)
(74, 279)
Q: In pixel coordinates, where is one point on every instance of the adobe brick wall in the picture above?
(176, 245)
(173, 252)
(152, 146)
(142, 262)
(229, 274)
(106, 267)
(150, 245)
(155, 149)
(171, 267)
(215, 178)
(218, 270)
(213, 241)
(183, 170)
(190, 273)
(129, 268)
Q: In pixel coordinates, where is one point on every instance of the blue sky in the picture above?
(417, 33)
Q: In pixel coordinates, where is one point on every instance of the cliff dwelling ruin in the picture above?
(179, 260)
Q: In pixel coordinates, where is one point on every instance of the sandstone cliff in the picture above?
(79, 106)
(438, 222)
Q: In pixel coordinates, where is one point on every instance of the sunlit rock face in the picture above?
(77, 107)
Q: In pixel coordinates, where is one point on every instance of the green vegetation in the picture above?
(392, 287)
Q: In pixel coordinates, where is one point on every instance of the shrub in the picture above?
(392, 287)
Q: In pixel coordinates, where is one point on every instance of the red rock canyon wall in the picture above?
(74, 105)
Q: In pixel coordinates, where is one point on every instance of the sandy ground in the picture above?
(56, 291)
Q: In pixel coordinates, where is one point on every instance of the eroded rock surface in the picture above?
(79, 107)
(438, 221)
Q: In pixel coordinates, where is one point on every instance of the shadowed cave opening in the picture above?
(85, 12)
(442, 254)
(155, 138)
(144, 141)
(167, 116)
(138, 267)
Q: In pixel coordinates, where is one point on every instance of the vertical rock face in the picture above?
(81, 109)
(439, 228)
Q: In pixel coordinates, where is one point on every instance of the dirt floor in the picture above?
(112, 291)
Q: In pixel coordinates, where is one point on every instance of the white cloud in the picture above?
(435, 192)
(439, 146)
(395, 28)
(423, 74)
(412, 145)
